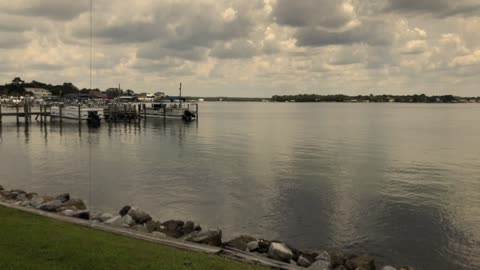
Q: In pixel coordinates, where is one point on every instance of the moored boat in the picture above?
(172, 107)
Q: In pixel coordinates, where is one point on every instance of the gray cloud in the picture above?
(328, 13)
(371, 32)
(439, 8)
(9, 23)
(349, 56)
(11, 40)
(235, 49)
(156, 50)
(52, 9)
(128, 33)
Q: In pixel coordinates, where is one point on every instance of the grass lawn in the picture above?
(30, 242)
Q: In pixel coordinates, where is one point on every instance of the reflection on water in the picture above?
(399, 181)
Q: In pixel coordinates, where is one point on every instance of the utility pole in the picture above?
(180, 90)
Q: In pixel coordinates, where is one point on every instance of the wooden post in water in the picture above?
(79, 114)
(164, 112)
(124, 111)
(60, 108)
(196, 112)
(29, 111)
(139, 112)
(1, 113)
(18, 120)
(40, 115)
(25, 112)
(145, 112)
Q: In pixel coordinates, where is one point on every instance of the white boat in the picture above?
(175, 108)
(72, 112)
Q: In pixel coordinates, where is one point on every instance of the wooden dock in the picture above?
(113, 113)
(26, 113)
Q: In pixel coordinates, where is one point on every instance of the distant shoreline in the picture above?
(312, 98)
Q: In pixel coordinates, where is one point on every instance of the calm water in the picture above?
(401, 181)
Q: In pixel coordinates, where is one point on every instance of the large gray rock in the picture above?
(63, 197)
(18, 191)
(363, 261)
(337, 258)
(102, 217)
(139, 216)
(188, 227)
(323, 255)
(82, 214)
(36, 201)
(172, 228)
(4, 193)
(25, 203)
(320, 265)
(22, 197)
(153, 226)
(211, 237)
(387, 267)
(77, 204)
(119, 221)
(140, 228)
(10, 195)
(124, 210)
(68, 212)
(303, 262)
(280, 252)
(240, 242)
(252, 246)
(31, 194)
(296, 252)
(159, 234)
(263, 245)
(51, 206)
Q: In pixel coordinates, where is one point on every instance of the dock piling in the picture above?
(18, 120)
(25, 112)
(60, 108)
(79, 114)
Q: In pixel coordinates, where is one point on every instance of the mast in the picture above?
(180, 99)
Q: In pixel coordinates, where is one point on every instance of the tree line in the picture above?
(18, 88)
(422, 98)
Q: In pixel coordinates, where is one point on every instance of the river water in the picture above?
(399, 181)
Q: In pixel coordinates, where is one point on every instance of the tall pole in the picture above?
(180, 95)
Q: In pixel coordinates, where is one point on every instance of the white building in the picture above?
(39, 92)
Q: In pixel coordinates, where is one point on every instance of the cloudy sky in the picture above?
(247, 48)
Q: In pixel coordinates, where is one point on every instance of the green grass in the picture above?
(31, 242)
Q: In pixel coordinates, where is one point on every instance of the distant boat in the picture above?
(201, 100)
(172, 107)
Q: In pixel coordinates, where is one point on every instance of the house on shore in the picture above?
(39, 93)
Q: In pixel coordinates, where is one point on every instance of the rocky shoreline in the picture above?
(135, 219)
